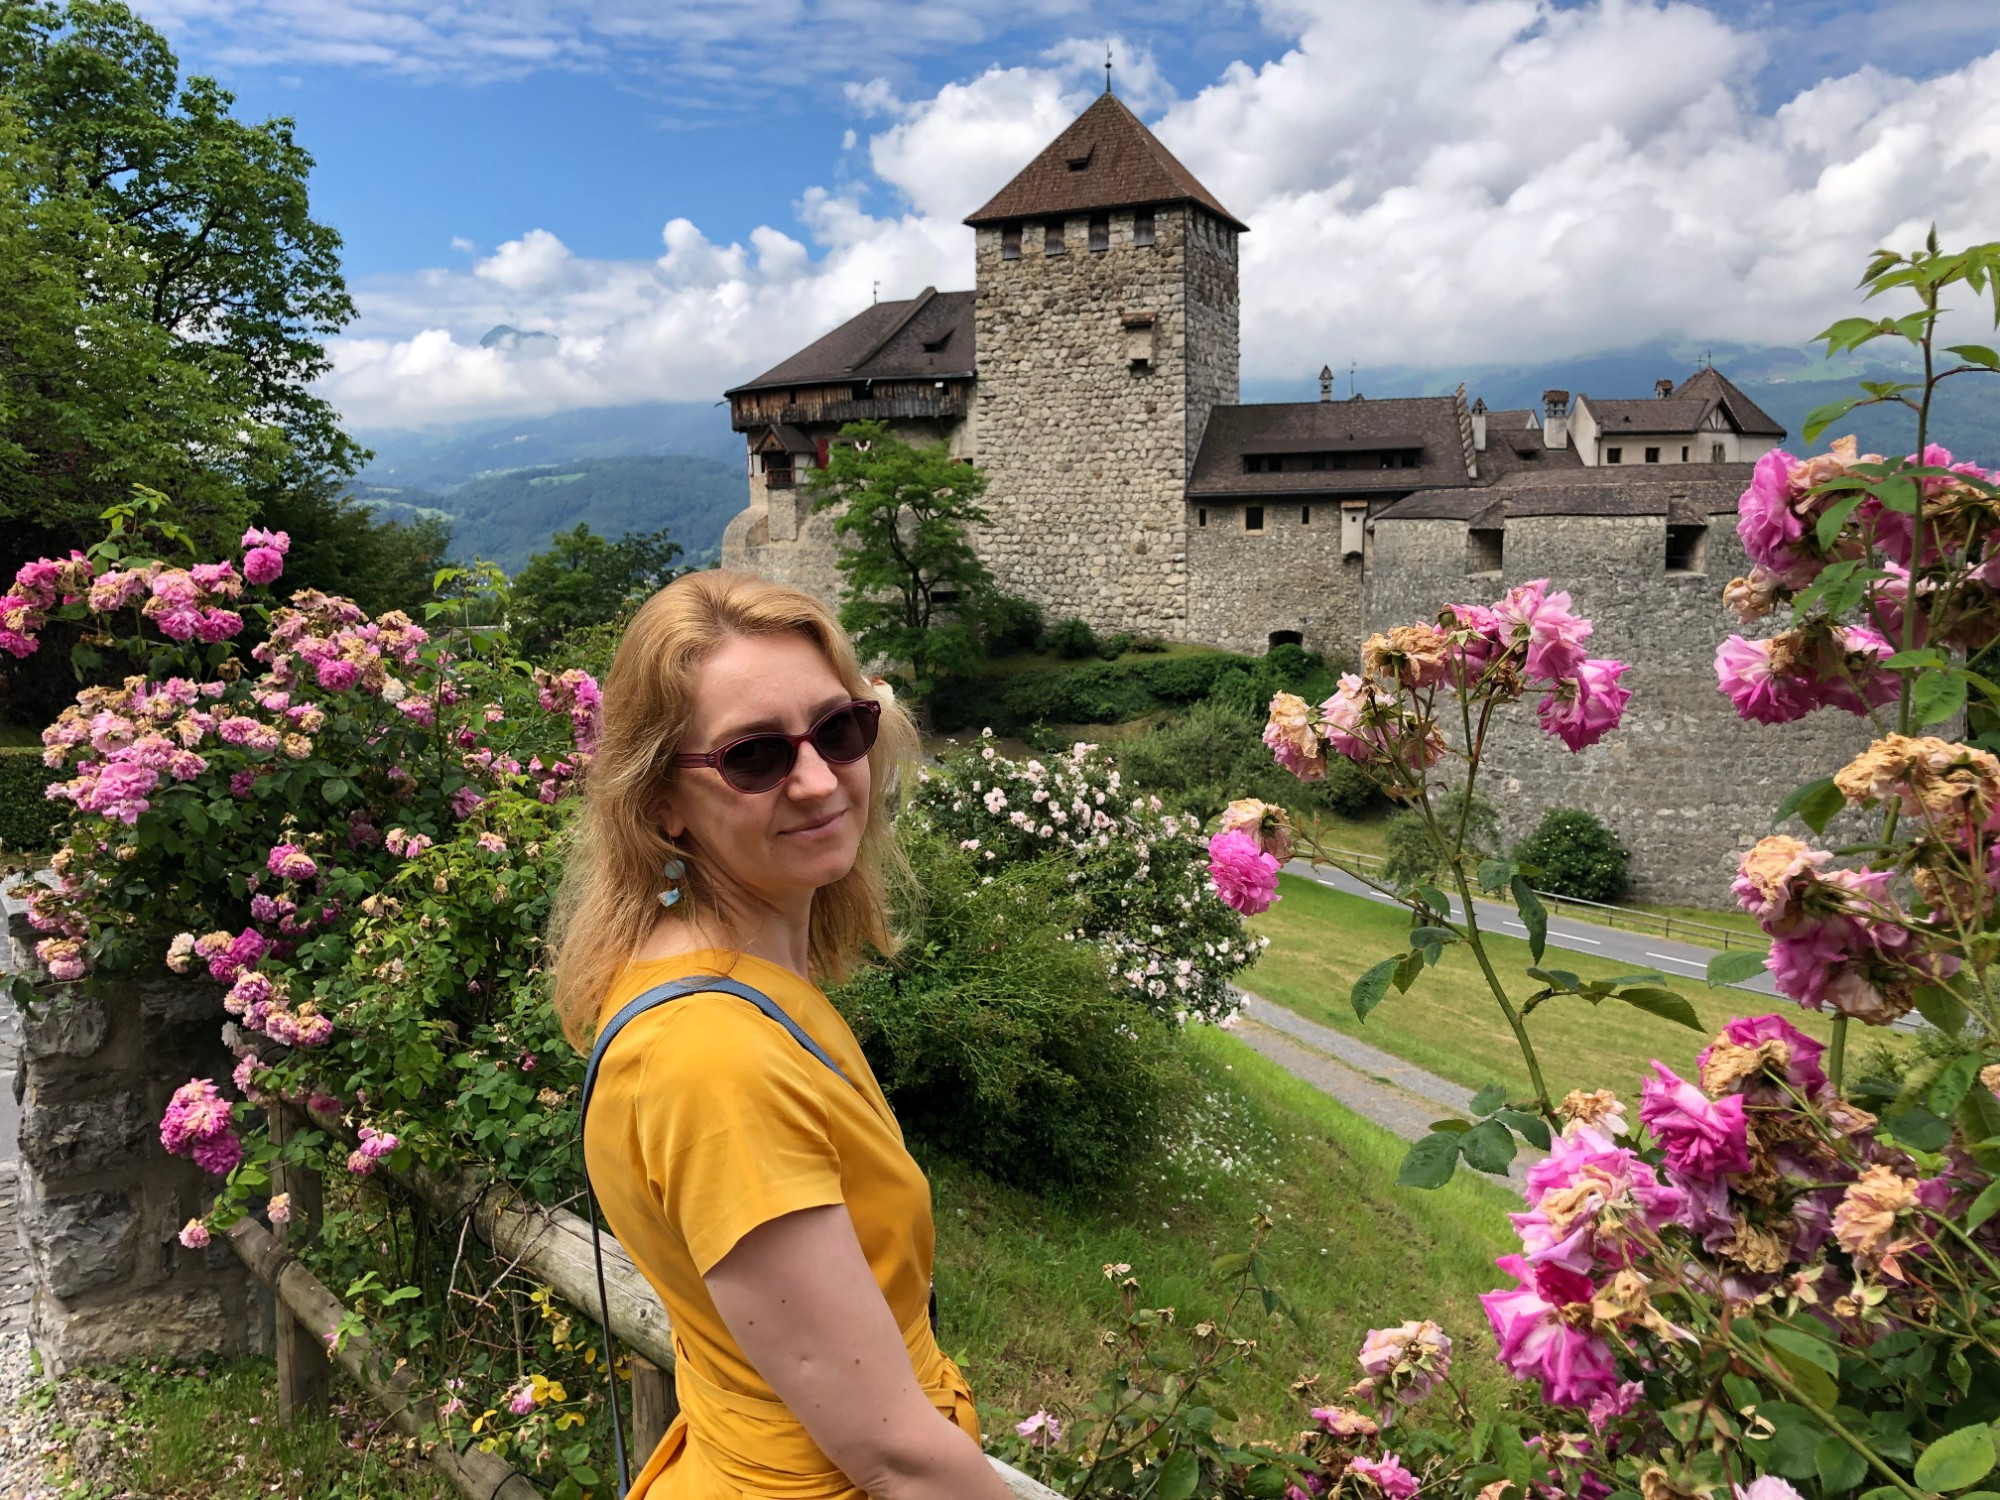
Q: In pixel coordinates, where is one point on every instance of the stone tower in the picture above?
(1107, 328)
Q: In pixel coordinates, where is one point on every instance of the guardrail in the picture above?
(1657, 924)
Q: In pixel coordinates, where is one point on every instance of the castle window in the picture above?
(1684, 452)
(1305, 515)
(1010, 242)
(1052, 238)
(1319, 462)
(1687, 549)
(1201, 516)
(1287, 638)
(778, 473)
(1483, 549)
(1253, 518)
(1142, 227)
(1100, 232)
(1652, 455)
(1614, 455)
(1717, 453)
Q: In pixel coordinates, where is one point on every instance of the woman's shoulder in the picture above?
(708, 1036)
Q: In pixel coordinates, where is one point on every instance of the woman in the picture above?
(736, 824)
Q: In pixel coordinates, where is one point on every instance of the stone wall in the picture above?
(1088, 451)
(1245, 586)
(101, 1203)
(1685, 783)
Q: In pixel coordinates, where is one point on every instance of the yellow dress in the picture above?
(708, 1120)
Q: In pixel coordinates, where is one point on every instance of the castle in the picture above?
(1092, 373)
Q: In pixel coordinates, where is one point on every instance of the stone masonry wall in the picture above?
(1685, 783)
(1245, 585)
(101, 1202)
(1089, 456)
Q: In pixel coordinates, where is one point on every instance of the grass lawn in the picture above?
(214, 1432)
(1023, 1296)
(1321, 941)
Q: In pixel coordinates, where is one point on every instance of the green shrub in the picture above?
(1414, 857)
(1115, 646)
(1073, 639)
(1578, 856)
(1002, 1043)
(1205, 757)
(1008, 622)
(27, 818)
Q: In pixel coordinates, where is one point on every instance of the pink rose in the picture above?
(1243, 877)
(1387, 1475)
(1701, 1137)
(1537, 1342)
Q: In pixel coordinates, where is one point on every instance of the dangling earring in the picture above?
(674, 871)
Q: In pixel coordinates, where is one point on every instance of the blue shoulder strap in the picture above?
(660, 994)
(694, 984)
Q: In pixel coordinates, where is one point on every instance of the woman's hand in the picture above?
(802, 1305)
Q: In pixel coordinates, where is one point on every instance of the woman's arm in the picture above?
(797, 1296)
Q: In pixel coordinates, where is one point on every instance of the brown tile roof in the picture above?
(928, 337)
(1677, 491)
(1123, 166)
(1712, 385)
(1428, 423)
(1652, 415)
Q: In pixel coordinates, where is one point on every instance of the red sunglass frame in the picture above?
(870, 710)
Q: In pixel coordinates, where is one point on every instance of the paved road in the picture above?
(1637, 950)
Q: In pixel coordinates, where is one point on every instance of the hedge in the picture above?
(27, 818)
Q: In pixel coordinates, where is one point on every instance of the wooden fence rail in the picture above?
(553, 1245)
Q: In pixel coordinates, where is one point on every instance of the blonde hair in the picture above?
(608, 900)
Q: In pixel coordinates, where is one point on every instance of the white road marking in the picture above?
(1568, 937)
(1675, 958)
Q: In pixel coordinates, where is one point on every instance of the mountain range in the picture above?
(505, 486)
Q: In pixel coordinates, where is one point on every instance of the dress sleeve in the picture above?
(732, 1124)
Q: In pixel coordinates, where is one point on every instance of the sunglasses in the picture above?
(761, 762)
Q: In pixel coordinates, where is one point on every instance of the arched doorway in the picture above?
(1287, 638)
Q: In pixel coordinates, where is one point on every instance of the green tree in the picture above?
(915, 588)
(174, 246)
(584, 580)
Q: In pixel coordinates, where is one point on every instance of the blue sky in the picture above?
(1426, 180)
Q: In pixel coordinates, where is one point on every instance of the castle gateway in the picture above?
(1092, 372)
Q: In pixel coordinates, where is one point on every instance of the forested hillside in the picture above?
(507, 517)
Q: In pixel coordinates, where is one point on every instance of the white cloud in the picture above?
(1427, 182)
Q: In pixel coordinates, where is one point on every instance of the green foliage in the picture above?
(1203, 758)
(1578, 855)
(1004, 1044)
(28, 820)
(1011, 623)
(339, 547)
(1072, 640)
(585, 580)
(177, 291)
(1113, 692)
(915, 588)
(1414, 856)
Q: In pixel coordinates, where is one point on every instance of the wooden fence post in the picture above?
(303, 1368)
(652, 1407)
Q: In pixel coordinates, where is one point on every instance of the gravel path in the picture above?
(1396, 1095)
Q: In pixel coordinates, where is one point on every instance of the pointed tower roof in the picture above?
(1105, 159)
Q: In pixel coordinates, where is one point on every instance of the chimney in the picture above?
(1555, 419)
(1479, 425)
(1663, 389)
(1326, 382)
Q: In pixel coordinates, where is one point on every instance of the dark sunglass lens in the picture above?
(757, 765)
(845, 737)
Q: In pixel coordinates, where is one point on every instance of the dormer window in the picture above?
(1142, 227)
(932, 346)
(1010, 242)
(1082, 163)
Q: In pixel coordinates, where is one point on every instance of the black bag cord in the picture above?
(698, 984)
